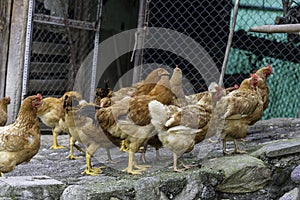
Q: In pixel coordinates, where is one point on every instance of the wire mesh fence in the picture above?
(54, 62)
(208, 23)
(62, 36)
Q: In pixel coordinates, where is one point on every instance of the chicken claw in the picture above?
(237, 151)
(187, 166)
(93, 171)
(89, 170)
(57, 147)
(72, 157)
(132, 164)
(131, 171)
(55, 144)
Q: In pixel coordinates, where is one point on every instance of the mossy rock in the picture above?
(242, 173)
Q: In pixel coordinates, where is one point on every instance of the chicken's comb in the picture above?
(40, 96)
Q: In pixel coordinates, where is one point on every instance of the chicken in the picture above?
(3, 110)
(115, 125)
(264, 73)
(178, 99)
(83, 129)
(140, 88)
(138, 105)
(194, 98)
(134, 129)
(100, 93)
(20, 141)
(51, 112)
(176, 83)
(150, 82)
(235, 112)
(180, 128)
(178, 139)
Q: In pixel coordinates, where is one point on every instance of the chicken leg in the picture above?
(109, 159)
(132, 164)
(89, 170)
(55, 144)
(72, 144)
(236, 148)
(175, 168)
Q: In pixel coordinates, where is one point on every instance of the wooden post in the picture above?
(235, 12)
(15, 64)
(5, 17)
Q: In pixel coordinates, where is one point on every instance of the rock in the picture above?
(291, 195)
(283, 148)
(74, 192)
(243, 173)
(261, 152)
(295, 175)
(120, 189)
(30, 187)
(147, 188)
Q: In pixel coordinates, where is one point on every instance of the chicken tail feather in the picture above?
(159, 114)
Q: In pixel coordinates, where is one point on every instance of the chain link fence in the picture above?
(54, 62)
(62, 36)
(208, 23)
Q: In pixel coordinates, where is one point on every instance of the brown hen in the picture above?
(83, 129)
(20, 141)
(180, 128)
(51, 112)
(235, 112)
(264, 73)
(134, 128)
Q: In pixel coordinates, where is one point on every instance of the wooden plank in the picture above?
(59, 21)
(282, 28)
(265, 47)
(5, 19)
(50, 48)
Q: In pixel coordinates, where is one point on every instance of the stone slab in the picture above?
(283, 148)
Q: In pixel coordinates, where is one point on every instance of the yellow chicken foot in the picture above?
(1, 174)
(175, 164)
(71, 155)
(89, 170)
(131, 163)
(236, 149)
(55, 144)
